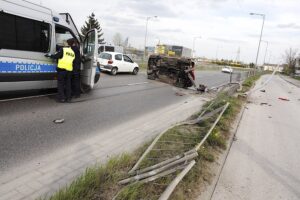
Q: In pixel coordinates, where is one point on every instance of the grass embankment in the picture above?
(297, 77)
(101, 182)
(249, 82)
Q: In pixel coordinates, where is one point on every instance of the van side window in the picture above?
(24, 34)
(62, 35)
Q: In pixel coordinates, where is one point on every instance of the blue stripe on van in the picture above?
(16, 67)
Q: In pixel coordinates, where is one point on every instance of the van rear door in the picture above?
(90, 53)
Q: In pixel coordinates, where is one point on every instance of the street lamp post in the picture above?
(266, 50)
(217, 51)
(147, 19)
(264, 16)
(194, 40)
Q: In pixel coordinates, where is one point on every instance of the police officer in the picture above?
(65, 57)
(76, 69)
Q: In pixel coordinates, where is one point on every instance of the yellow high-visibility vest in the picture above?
(66, 62)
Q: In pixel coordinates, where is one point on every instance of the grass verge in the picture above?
(101, 182)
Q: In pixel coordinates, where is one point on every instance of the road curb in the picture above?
(232, 139)
(209, 191)
(289, 81)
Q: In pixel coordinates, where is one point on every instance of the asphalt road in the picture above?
(27, 128)
(264, 161)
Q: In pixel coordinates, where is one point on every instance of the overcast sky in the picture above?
(224, 25)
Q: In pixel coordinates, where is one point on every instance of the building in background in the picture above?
(272, 67)
(150, 51)
(173, 50)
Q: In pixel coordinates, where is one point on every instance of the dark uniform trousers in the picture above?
(76, 82)
(64, 84)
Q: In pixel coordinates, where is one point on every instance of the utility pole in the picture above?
(194, 40)
(261, 32)
(146, 32)
(237, 58)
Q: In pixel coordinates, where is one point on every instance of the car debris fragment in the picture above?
(59, 121)
(283, 99)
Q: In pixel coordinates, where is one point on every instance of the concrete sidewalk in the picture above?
(46, 175)
(264, 161)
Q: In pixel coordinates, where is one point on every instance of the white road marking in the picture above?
(131, 84)
(44, 95)
(29, 97)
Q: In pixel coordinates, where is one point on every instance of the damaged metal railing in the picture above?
(183, 161)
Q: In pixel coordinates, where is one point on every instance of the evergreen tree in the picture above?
(91, 23)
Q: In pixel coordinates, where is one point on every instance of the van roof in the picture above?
(38, 12)
(26, 9)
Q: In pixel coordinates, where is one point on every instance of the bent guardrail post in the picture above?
(212, 128)
(161, 169)
(167, 193)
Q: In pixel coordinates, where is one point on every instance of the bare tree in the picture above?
(117, 39)
(290, 56)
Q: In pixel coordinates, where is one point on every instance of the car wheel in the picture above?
(135, 71)
(114, 71)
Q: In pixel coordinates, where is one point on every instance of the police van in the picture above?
(28, 31)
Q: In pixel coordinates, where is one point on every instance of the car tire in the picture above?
(114, 71)
(135, 71)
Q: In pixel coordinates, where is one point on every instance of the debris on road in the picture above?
(263, 90)
(242, 96)
(202, 88)
(179, 94)
(283, 99)
(263, 103)
(59, 121)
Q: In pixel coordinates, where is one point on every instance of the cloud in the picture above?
(290, 25)
(224, 40)
(217, 21)
(170, 30)
(151, 8)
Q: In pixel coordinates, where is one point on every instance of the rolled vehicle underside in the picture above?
(170, 70)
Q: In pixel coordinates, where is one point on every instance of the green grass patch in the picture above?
(99, 182)
(296, 77)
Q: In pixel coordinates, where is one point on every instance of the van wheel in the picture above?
(114, 71)
(85, 88)
(135, 71)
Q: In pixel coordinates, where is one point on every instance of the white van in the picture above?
(29, 31)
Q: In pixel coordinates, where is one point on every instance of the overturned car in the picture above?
(170, 69)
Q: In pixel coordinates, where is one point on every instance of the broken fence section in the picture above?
(184, 161)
